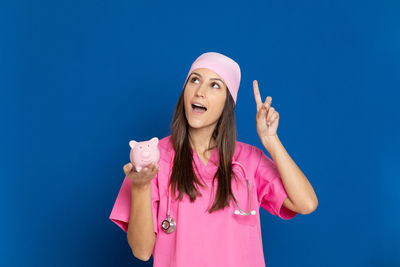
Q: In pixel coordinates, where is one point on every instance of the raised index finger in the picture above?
(257, 95)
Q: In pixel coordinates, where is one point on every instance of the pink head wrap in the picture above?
(224, 66)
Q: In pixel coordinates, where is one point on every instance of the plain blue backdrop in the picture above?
(80, 79)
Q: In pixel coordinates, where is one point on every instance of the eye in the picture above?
(217, 84)
(194, 78)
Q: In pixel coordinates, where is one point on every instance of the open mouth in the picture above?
(198, 108)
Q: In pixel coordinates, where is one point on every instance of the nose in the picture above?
(201, 90)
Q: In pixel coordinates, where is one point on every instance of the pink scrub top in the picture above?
(221, 238)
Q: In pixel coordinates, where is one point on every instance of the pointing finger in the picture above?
(257, 95)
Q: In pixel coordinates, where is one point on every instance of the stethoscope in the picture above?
(169, 224)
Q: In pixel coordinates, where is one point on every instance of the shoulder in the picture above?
(248, 155)
(166, 148)
(246, 151)
(164, 143)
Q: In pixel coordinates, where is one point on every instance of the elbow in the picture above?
(311, 207)
(141, 256)
(141, 253)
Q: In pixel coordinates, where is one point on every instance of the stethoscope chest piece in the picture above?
(168, 225)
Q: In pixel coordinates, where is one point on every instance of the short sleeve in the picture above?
(121, 210)
(270, 189)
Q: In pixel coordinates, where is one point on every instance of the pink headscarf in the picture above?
(224, 66)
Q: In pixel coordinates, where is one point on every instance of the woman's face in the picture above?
(207, 88)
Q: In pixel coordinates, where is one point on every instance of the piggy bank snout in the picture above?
(145, 153)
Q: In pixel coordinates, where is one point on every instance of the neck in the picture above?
(200, 138)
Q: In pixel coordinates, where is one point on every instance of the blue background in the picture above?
(79, 79)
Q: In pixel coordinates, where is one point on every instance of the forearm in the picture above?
(140, 233)
(297, 186)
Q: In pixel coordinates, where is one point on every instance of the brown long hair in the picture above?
(183, 177)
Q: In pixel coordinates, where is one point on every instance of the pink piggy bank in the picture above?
(143, 153)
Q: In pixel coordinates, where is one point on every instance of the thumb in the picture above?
(262, 112)
(128, 168)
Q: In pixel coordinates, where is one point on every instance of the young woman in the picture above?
(199, 206)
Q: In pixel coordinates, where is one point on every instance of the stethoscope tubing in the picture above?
(171, 223)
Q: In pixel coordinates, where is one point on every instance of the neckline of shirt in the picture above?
(207, 171)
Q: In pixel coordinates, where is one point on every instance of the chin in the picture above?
(200, 125)
(196, 125)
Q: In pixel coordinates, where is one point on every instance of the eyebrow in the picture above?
(210, 79)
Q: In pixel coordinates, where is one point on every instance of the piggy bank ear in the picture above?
(132, 144)
(154, 140)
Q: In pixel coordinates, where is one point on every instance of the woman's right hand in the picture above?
(143, 177)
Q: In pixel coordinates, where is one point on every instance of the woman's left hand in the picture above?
(267, 117)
